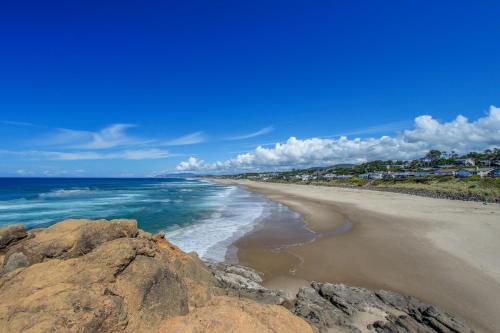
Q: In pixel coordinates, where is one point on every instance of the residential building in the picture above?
(445, 172)
(330, 176)
(465, 161)
(344, 176)
(463, 173)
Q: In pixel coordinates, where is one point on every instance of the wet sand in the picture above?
(442, 251)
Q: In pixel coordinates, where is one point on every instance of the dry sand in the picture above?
(442, 251)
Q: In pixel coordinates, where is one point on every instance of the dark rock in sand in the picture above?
(336, 306)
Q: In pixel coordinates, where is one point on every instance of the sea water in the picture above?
(195, 214)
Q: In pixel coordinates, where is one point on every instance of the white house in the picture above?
(372, 175)
(305, 178)
(484, 172)
(465, 161)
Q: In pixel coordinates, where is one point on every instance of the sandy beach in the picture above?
(442, 251)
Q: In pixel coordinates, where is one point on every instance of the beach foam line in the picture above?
(238, 212)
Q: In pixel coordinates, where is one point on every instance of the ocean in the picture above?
(196, 215)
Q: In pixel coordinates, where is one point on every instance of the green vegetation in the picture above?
(474, 187)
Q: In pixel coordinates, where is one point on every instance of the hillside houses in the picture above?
(485, 172)
(486, 164)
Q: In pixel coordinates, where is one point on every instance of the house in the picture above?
(465, 161)
(305, 178)
(344, 176)
(376, 175)
(495, 173)
(330, 176)
(402, 175)
(445, 172)
(372, 175)
(484, 172)
(464, 173)
(422, 174)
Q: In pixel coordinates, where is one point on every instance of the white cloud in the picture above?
(260, 132)
(191, 163)
(460, 135)
(190, 139)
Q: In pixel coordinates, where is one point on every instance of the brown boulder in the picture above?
(228, 314)
(69, 239)
(11, 234)
(98, 276)
(120, 286)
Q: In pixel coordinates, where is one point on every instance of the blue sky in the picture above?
(107, 88)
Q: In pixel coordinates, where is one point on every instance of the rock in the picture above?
(198, 279)
(121, 286)
(330, 306)
(16, 260)
(70, 238)
(108, 276)
(237, 315)
(11, 234)
(245, 282)
(98, 276)
(318, 311)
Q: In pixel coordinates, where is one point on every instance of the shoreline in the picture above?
(441, 251)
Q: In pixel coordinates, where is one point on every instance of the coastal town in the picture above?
(433, 164)
(472, 176)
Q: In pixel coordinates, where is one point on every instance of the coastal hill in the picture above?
(110, 276)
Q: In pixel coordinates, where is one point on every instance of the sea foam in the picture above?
(236, 214)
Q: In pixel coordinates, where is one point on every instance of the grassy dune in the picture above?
(471, 188)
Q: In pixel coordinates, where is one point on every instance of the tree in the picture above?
(434, 155)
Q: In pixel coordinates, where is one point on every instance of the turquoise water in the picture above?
(196, 215)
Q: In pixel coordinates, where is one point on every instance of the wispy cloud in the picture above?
(130, 154)
(20, 123)
(189, 139)
(260, 132)
(382, 128)
(109, 137)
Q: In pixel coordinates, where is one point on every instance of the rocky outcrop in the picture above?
(331, 307)
(229, 314)
(64, 240)
(109, 276)
(11, 234)
(245, 282)
(123, 285)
